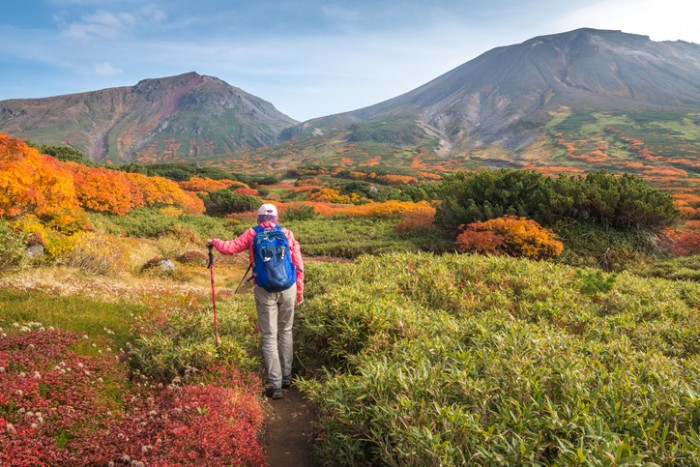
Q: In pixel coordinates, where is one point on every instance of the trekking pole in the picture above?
(242, 279)
(213, 294)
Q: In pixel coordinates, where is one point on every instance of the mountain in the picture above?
(572, 101)
(505, 106)
(480, 102)
(180, 117)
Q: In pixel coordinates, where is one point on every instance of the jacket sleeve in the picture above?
(297, 260)
(237, 245)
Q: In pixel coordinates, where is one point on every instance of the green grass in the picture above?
(351, 237)
(73, 313)
(680, 268)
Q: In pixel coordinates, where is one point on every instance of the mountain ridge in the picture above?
(509, 106)
(156, 118)
(507, 84)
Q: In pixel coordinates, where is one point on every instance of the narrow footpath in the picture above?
(289, 436)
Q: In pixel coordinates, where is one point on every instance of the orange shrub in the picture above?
(104, 190)
(509, 235)
(155, 191)
(191, 203)
(396, 179)
(32, 183)
(429, 175)
(688, 243)
(247, 191)
(417, 219)
(204, 185)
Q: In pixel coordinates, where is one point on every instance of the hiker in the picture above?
(279, 286)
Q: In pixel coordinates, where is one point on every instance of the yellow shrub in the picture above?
(509, 235)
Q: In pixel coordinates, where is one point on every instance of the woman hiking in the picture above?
(278, 274)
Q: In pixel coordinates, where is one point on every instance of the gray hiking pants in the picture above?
(275, 318)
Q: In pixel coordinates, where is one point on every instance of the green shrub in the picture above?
(144, 222)
(352, 237)
(680, 268)
(11, 246)
(595, 281)
(206, 226)
(625, 202)
(302, 213)
(222, 202)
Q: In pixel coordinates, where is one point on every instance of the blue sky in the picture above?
(310, 58)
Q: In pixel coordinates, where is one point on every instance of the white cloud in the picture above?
(105, 69)
(660, 20)
(109, 25)
(102, 24)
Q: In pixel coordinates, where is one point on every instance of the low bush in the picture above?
(685, 268)
(92, 252)
(624, 202)
(301, 213)
(352, 237)
(205, 226)
(222, 202)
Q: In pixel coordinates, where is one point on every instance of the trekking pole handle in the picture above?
(211, 257)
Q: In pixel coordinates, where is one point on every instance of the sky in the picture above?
(309, 58)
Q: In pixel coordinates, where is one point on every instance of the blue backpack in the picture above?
(272, 260)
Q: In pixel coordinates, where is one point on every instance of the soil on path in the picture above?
(289, 437)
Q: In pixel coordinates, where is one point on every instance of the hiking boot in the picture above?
(274, 393)
(286, 382)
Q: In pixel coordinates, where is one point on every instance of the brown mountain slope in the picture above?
(179, 117)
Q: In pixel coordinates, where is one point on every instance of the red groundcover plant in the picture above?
(60, 408)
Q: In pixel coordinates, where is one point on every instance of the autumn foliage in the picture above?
(31, 182)
(511, 236)
(329, 195)
(34, 183)
(205, 185)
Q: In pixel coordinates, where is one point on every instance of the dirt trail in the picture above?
(289, 434)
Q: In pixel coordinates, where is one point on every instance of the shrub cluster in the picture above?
(625, 202)
(175, 337)
(56, 191)
(222, 202)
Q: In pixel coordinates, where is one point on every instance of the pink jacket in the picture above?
(245, 242)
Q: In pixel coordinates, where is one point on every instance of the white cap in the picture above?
(267, 210)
